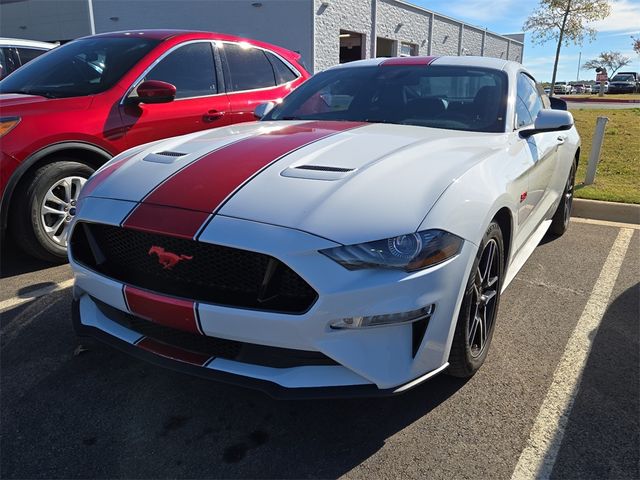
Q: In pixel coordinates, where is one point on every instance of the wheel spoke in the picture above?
(53, 198)
(78, 183)
(474, 330)
(66, 184)
(54, 228)
(47, 210)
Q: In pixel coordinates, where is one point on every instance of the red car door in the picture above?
(254, 75)
(200, 102)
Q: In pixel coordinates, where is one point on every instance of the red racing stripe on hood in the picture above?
(202, 187)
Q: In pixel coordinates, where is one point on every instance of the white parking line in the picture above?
(605, 223)
(15, 301)
(539, 455)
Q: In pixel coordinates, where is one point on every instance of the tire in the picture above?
(32, 228)
(472, 337)
(562, 215)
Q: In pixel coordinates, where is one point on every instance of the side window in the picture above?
(283, 73)
(523, 117)
(249, 68)
(7, 63)
(528, 93)
(190, 69)
(28, 54)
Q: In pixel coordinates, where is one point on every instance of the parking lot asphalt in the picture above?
(101, 414)
(601, 106)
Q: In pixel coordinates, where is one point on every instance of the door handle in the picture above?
(561, 139)
(212, 116)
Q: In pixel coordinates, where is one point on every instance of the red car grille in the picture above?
(189, 269)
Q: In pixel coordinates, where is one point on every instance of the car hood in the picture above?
(357, 183)
(19, 104)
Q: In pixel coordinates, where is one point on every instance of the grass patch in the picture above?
(618, 173)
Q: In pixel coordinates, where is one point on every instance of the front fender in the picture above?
(469, 204)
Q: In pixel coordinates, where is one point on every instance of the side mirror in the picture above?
(557, 103)
(549, 121)
(154, 91)
(262, 109)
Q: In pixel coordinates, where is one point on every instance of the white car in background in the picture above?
(356, 241)
(16, 52)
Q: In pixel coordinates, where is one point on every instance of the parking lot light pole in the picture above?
(596, 146)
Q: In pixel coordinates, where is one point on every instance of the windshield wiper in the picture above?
(379, 120)
(291, 117)
(31, 92)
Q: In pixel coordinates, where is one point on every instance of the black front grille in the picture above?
(207, 273)
(275, 357)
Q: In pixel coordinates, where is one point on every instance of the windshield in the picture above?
(457, 98)
(623, 78)
(84, 67)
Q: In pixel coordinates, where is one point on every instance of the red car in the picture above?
(72, 109)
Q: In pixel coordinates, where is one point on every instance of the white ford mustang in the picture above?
(355, 241)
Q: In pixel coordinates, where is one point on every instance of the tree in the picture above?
(636, 45)
(610, 61)
(566, 22)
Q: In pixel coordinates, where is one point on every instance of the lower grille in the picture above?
(202, 272)
(274, 357)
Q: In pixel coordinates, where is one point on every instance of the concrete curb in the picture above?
(609, 211)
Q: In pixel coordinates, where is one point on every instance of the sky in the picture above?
(508, 16)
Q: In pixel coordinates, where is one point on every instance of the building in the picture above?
(325, 32)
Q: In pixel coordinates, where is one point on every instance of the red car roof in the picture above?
(163, 35)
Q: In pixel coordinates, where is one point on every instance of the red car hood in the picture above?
(19, 104)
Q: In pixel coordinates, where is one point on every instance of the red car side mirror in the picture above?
(154, 91)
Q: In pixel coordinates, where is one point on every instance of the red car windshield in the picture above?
(83, 67)
(455, 98)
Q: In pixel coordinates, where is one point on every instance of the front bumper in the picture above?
(372, 361)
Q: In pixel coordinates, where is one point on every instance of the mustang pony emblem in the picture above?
(168, 260)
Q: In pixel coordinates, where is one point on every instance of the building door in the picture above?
(351, 46)
(385, 47)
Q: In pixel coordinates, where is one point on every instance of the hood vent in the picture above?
(317, 172)
(322, 168)
(164, 157)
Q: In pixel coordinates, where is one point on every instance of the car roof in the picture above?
(178, 35)
(19, 42)
(468, 60)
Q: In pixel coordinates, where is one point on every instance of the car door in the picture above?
(254, 76)
(200, 102)
(543, 147)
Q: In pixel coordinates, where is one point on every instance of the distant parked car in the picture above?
(587, 88)
(596, 87)
(625, 82)
(97, 96)
(562, 88)
(15, 52)
(547, 90)
(578, 88)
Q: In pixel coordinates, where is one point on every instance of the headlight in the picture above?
(7, 124)
(410, 252)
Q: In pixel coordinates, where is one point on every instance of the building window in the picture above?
(408, 49)
(385, 47)
(351, 46)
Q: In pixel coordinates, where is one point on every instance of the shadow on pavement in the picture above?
(13, 261)
(103, 414)
(603, 432)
